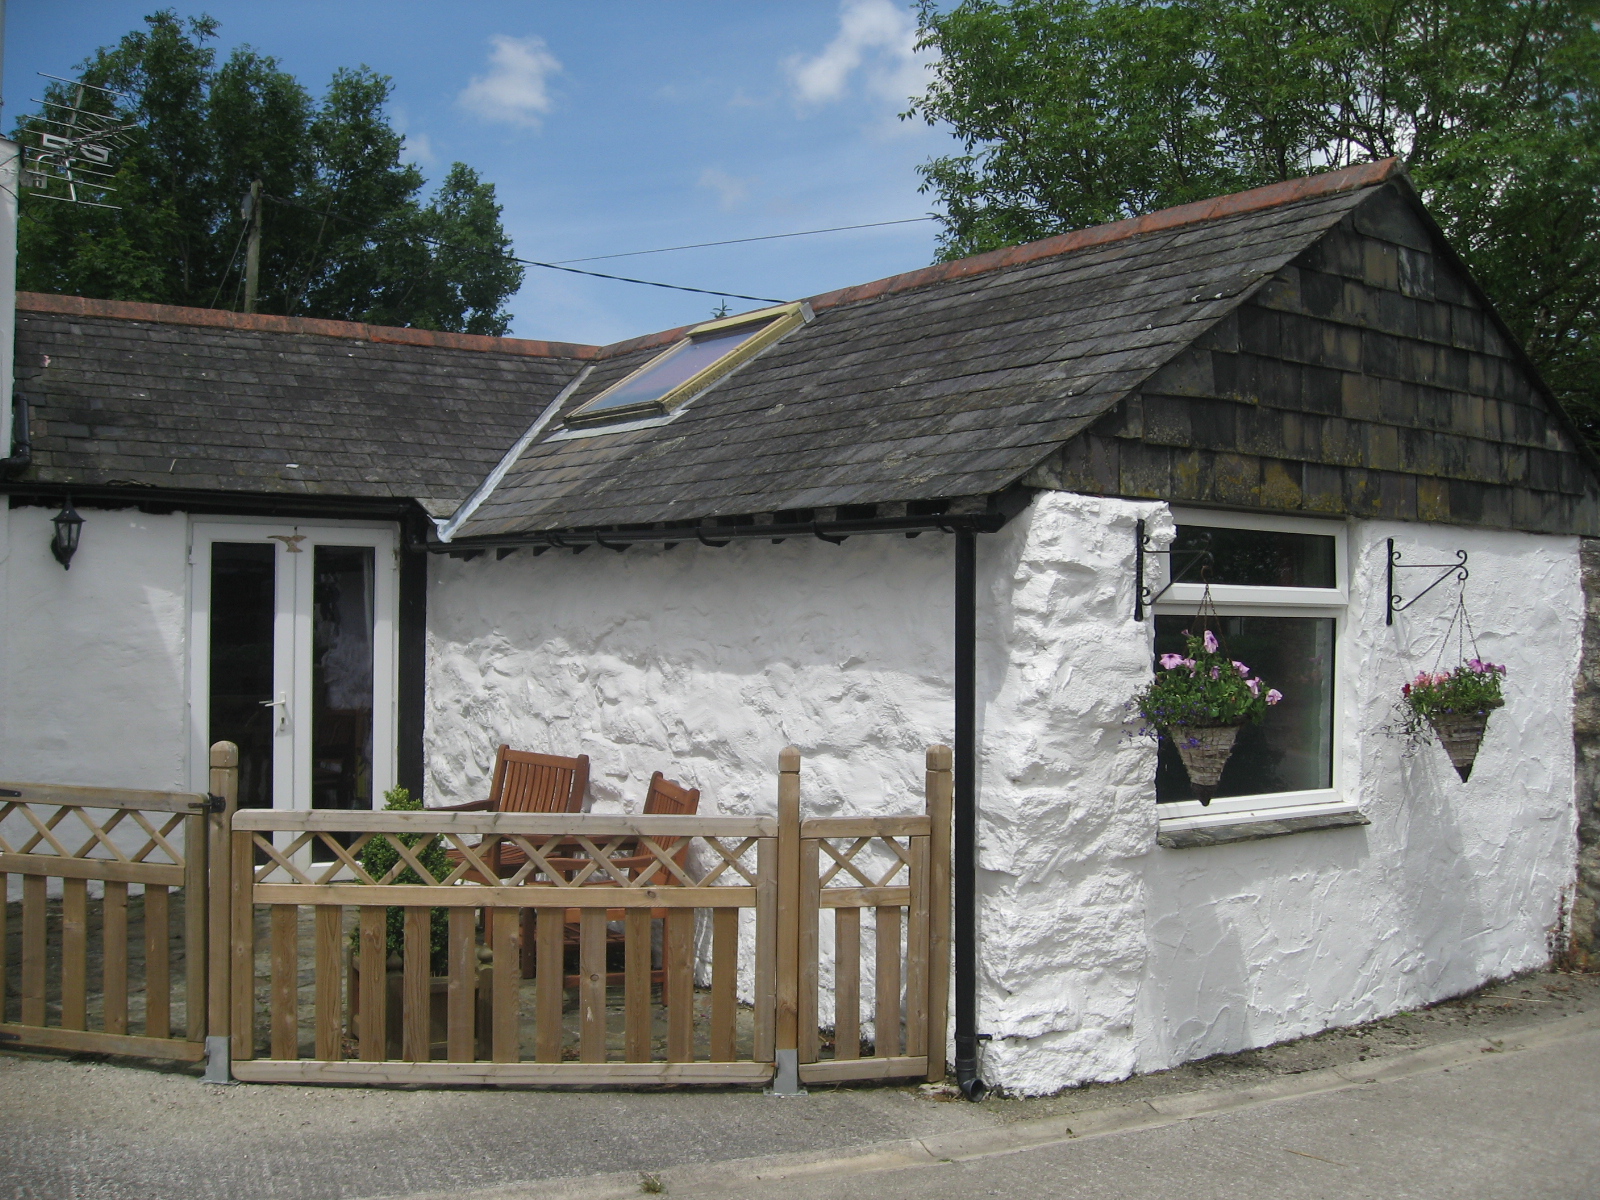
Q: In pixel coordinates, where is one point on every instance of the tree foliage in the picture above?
(345, 232)
(1075, 112)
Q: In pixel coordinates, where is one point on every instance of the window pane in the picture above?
(1292, 749)
(243, 606)
(681, 363)
(341, 677)
(1255, 557)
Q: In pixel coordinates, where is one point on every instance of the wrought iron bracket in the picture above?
(1397, 603)
(213, 804)
(1143, 597)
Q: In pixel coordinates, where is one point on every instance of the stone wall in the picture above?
(1583, 946)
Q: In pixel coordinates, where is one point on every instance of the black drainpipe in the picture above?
(21, 443)
(965, 840)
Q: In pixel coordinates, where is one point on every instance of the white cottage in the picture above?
(936, 508)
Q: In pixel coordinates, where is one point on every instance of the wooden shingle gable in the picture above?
(1368, 377)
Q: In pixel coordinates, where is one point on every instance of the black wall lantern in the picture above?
(68, 526)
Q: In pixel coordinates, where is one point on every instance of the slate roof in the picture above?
(949, 384)
(150, 396)
(950, 381)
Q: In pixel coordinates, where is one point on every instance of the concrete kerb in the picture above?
(711, 1179)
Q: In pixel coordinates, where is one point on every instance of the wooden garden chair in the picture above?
(525, 782)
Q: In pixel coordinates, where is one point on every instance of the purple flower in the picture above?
(1254, 685)
(1274, 695)
(1211, 642)
(1215, 674)
(1171, 661)
(1243, 670)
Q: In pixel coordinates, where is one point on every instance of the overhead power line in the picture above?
(528, 262)
(770, 237)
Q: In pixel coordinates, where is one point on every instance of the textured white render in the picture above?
(1101, 954)
(93, 661)
(1450, 886)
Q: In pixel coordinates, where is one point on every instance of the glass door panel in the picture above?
(342, 630)
(240, 707)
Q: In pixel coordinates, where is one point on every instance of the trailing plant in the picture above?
(1202, 687)
(1471, 690)
(378, 858)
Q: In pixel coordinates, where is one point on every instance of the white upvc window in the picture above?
(1280, 586)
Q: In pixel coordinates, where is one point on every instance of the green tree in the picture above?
(346, 233)
(1074, 112)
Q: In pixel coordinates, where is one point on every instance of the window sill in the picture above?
(1216, 829)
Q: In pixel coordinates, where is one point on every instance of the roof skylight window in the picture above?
(689, 367)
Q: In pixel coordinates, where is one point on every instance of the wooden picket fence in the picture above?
(665, 950)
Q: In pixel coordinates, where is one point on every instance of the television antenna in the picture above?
(69, 149)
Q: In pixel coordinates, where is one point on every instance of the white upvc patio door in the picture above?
(293, 657)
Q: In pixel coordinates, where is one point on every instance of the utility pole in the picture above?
(252, 253)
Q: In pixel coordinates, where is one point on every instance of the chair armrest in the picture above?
(469, 806)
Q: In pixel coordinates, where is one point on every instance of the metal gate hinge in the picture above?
(213, 804)
(9, 792)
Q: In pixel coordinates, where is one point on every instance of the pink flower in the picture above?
(1274, 695)
(1171, 661)
(1243, 670)
(1215, 674)
(1211, 642)
(1254, 685)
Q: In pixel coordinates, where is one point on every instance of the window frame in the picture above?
(1181, 599)
(781, 320)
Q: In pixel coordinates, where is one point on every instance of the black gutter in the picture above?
(720, 535)
(161, 501)
(21, 447)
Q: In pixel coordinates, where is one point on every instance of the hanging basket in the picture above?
(1461, 735)
(1205, 750)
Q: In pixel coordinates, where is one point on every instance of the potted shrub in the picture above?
(378, 858)
(1199, 700)
(1453, 706)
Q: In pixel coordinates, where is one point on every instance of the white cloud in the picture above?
(419, 149)
(878, 40)
(516, 89)
(731, 190)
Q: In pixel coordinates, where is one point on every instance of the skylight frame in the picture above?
(779, 320)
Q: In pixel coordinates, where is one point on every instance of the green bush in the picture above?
(379, 856)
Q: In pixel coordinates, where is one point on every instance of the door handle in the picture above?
(282, 705)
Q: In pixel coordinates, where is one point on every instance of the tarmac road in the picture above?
(1520, 1125)
(1495, 1094)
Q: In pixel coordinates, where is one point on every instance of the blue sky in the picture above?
(612, 125)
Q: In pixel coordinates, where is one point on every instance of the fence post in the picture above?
(786, 1081)
(940, 799)
(219, 859)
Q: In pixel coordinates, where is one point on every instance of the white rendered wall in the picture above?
(93, 660)
(1101, 954)
(1451, 885)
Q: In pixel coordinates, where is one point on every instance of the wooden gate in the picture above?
(636, 893)
(663, 949)
(551, 949)
(898, 869)
(117, 964)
